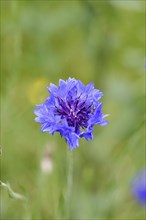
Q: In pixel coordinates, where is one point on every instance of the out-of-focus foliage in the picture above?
(94, 41)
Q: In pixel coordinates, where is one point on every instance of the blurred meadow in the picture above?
(94, 41)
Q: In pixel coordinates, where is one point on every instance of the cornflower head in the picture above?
(139, 187)
(72, 110)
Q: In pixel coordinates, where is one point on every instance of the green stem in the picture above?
(69, 182)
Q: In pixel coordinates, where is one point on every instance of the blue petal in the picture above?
(72, 140)
(97, 94)
(87, 134)
(104, 123)
(45, 127)
(72, 94)
(89, 87)
(97, 117)
(52, 89)
(40, 120)
(62, 83)
(80, 88)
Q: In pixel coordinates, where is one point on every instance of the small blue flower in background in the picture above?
(72, 110)
(139, 187)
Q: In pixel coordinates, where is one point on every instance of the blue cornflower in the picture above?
(72, 110)
(139, 187)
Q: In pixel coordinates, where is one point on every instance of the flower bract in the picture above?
(72, 109)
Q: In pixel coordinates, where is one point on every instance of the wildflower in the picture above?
(139, 187)
(72, 110)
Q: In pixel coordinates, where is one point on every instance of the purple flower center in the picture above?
(76, 111)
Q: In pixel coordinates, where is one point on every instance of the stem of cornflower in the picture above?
(69, 183)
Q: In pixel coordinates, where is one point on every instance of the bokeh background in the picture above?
(94, 41)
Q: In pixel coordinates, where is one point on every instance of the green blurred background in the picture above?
(94, 41)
